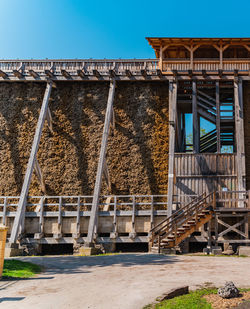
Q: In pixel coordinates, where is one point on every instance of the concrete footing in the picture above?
(12, 250)
(244, 250)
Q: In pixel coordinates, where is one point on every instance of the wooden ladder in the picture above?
(173, 230)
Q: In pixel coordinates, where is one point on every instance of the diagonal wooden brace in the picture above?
(231, 228)
(49, 120)
(20, 213)
(106, 175)
(101, 163)
(39, 175)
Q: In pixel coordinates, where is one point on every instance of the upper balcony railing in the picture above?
(120, 68)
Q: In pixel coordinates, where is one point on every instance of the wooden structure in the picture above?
(205, 77)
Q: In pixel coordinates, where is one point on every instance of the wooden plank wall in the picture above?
(198, 173)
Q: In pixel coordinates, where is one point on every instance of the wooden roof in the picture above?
(156, 42)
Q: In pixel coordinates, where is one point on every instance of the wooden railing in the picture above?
(233, 199)
(24, 68)
(183, 215)
(72, 66)
(206, 64)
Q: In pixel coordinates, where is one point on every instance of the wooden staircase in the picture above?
(173, 230)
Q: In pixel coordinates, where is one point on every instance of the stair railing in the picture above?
(183, 215)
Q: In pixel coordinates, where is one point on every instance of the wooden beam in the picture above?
(17, 73)
(96, 73)
(144, 73)
(33, 74)
(128, 73)
(239, 131)
(217, 95)
(204, 73)
(49, 120)
(172, 128)
(161, 58)
(159, 72)
(39, 175)
(112, 73)
(81, 73)
(3, 74)
(106, 175)
(196, 133)
(26, 184)
(66, 74)
(49, 73)
(101, 162)
(220, 73)
(231, 228)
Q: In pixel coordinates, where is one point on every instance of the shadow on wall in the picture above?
(137, 153)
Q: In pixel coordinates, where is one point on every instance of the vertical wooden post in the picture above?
(239, 131)
(4, 210)
(98, 182)
(246, 226)
(78, 225)
(172, 127)
(191, 58)
(26, 184)
(41, 218)
(160, 60)
(221, 57)
(216, 229)
(133, 217)
(115, 215)
(152, 212)
(196, 132)
(217, 94)
(209, 234)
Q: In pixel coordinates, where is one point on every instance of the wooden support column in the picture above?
(217, 93)
(20, 213)
(196, 131)
(172, 128)
(160, 59)
(101, 162)
(239, 132)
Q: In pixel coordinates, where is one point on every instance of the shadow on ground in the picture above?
(5, 299)
(83, 264)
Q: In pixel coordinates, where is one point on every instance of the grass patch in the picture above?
(19, 269)
(193, 300)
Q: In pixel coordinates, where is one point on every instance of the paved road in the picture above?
(126, 281)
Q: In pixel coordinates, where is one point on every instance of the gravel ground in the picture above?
(125, 281)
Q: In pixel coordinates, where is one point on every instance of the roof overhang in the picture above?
(157, 42)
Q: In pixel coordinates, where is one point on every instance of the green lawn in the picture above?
(18, 269)
(193, 300)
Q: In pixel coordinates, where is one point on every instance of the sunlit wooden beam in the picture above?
(33, 74)
(17, 74)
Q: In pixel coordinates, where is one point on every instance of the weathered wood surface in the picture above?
(198, 173)
(172, 129)
(239, 132)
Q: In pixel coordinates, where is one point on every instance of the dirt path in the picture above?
(126, 281)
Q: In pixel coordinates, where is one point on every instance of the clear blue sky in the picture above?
(111, 29)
